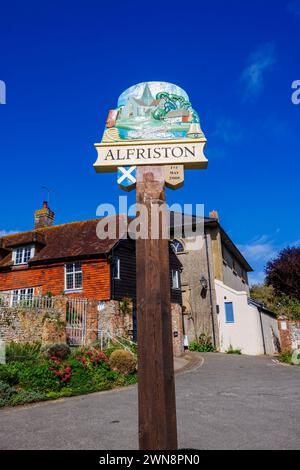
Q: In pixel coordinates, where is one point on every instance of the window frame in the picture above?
(227, 318)
(175, 249)
(177, 276)
(22, 294)
(116, 262)
(18, 256)
(73, 273)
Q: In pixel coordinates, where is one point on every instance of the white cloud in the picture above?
(257, 277)
(294, 7)
(4, 233)
(260, 250)
(259, 62)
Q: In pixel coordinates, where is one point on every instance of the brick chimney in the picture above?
(44, 217)
(214, 215)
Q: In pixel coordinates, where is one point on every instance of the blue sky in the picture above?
(65, 64)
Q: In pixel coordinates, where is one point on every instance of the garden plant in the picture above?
(32, 373)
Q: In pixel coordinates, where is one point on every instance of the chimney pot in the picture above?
(44, 217)
(214, 215)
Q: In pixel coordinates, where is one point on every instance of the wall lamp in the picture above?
(203, 283)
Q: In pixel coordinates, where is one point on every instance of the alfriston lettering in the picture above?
(109, 155)
(175, 152)
(191, 152)
(140, 153)
(130, 153)
(156, 153)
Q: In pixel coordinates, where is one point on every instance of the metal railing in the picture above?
(83, 320)
(26, 300)
(76, 312)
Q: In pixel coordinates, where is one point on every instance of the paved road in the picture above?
(231, 402)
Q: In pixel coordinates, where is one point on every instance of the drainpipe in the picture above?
(262, 331)
(112, 281)
(210, 293)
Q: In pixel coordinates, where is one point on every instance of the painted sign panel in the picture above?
(154, 123)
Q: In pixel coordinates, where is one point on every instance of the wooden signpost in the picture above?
(157, 406)
(159, 136)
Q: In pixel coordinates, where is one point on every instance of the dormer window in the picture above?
(23, 254)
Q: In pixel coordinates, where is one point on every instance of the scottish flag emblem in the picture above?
(126, 177)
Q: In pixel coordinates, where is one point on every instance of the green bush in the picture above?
(124, 380)
(286, 357)
(101, 345)
(9, 374)
(86, 370)
(60, 350)
(279, 303)
(6, 392)
(108, 351)
(22, 352)
(203, 344)
(116, 345)
(232, 350)
(38, 377)
(123, 361)
(26, 396)
(123, 343)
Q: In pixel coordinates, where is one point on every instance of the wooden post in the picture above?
(156, 389)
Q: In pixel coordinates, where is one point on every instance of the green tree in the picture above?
(281, 304)
(283, 273)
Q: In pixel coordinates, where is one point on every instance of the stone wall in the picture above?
(105, 319)
(289, 334)
(22, 324)
(177, 329)
(199, 314)
(119, 322)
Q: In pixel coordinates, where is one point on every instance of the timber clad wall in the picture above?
(126, 285)
(51, 278)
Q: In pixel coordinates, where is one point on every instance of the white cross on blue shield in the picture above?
(126, 177)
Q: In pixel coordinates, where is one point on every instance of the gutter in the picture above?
(262, 331)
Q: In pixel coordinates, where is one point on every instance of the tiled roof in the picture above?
(79, 239)
(71, 240)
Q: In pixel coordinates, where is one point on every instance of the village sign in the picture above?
(154, 124)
